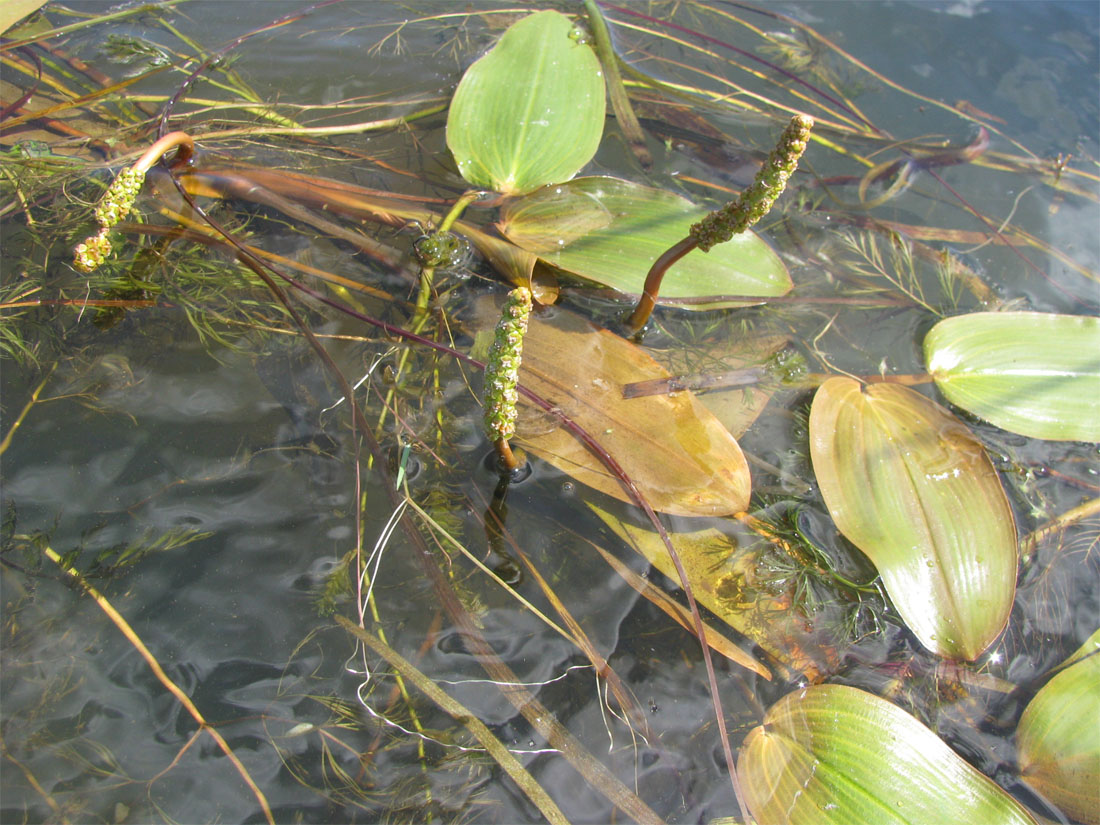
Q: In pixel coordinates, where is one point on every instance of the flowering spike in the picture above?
(91, 254)
(115, 205)
(502, 367)
(754, 202)
(119, 198)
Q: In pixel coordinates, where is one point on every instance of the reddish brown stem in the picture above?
(640, 316)
(163, 145)
(508, 461)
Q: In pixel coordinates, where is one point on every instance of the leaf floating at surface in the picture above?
(611, 231)
(1058, 739)
(1032, 373)
(835, 754)
(15, 10)
(531, 111)
(910, 486)
(1091, 646)
(677, 453)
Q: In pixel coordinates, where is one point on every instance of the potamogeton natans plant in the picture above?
(735, 217)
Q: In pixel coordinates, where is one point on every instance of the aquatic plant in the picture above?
(119, 198)
(735, 217)
(367, 314)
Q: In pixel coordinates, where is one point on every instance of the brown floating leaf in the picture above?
(737, 407)
(678, 454)
(680, 614)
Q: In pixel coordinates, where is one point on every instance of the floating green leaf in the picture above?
(836, 754)
(911, 486)
(1058, 739)
(531, 111)
(611, 231)
(1031, 373)
(15, 10)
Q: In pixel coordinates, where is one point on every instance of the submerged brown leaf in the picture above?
(723, 578)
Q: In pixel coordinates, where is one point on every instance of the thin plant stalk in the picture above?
(540, 718)
(162, 677)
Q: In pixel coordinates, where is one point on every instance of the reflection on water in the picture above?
(198, 485)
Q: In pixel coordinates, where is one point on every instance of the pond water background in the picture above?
(194, 441)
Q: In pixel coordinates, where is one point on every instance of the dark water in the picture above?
(208, 496)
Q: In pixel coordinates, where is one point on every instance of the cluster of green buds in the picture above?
(115, 205)
(441, 249)
(502, 372)
(755, 201)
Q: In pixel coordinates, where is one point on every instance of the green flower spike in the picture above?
(115, 205)
(754, 202)
(502, 373)
(733, 218)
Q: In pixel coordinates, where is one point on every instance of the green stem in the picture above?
(458, 208)
(616, 91)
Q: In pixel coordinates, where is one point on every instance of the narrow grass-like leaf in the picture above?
(611, 231)
(836, 755)
(531, 111)
(1032, 373)
(1058, 740)
(912, 487)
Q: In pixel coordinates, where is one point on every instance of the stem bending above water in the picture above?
(735, 217)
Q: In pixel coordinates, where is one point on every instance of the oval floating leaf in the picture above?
(676, 452)
(836, 754)
(531, 111)
(1032, 373)
(1058, 740)
(611, 231)
(911, 487)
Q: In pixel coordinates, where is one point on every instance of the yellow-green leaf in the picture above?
(531, 111)
(910, 486)
(723, 580)
(836, 755)
(611, 231)
(1032, 373)
(1058, 739)
(12, 11)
